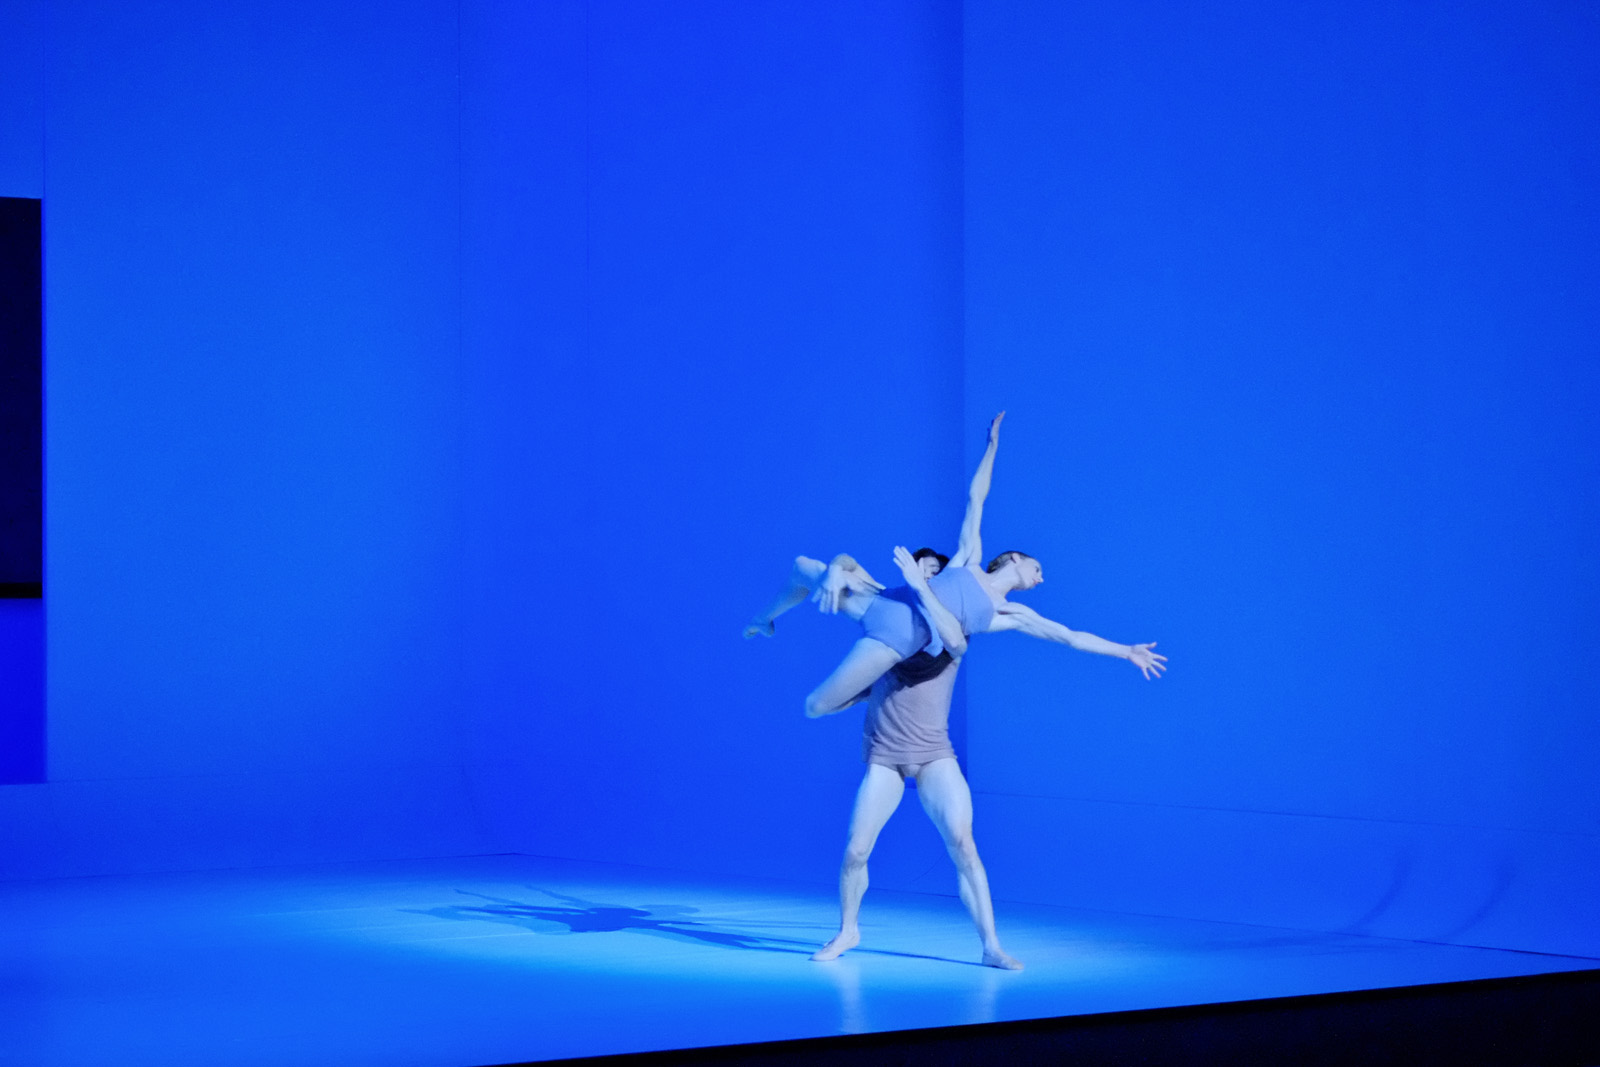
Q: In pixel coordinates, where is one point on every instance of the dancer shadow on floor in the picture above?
(581, 916)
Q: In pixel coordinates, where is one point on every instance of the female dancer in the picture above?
(935, 614)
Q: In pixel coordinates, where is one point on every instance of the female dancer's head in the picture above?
(932, 562)
(1026, 570)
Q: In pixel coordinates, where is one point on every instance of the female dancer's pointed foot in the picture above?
(841, 944)
(994, 957)
(761, 629)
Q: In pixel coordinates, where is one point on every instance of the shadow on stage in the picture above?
(566, 915)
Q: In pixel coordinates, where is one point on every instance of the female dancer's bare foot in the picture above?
(841, 944)
(994, 957)
(759, 628)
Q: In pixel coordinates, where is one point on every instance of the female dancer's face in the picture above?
(930, 566)
(1029, 573)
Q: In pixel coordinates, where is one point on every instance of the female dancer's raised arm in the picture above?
(1014, 616)
(970, 547)
(843, 585)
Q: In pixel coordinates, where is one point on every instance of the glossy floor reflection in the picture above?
(496, 959)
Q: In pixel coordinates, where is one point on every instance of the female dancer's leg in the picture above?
(867, 661)
(803, 579)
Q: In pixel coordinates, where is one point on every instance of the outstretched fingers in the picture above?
(910, 568)
(1150, 664)
(830, 590)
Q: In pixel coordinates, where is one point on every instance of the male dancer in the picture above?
(907, 736)
(919, 647)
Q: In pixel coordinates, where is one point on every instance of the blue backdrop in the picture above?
(435, 388)
(1296, 312)
(252, 448)
(713, 319)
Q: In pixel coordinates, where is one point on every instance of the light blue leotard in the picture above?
(962, 593)
(895, 616)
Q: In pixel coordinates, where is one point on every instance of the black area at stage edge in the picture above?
(21, 399)
(1550, 1020)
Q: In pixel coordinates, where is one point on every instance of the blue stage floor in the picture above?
(496, 959)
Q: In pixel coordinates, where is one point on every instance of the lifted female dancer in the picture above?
(907, 727)
(935, 614)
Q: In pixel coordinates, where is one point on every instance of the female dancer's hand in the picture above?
(1151, 664)
(994, 428)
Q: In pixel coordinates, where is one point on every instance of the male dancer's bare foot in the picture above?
(841, 944)
(759, 628)
(994, 957)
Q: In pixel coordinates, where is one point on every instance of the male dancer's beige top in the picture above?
(909, 724)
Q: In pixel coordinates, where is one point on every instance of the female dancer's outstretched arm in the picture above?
(970, 548)
(1013, 616)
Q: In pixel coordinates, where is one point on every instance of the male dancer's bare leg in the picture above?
(803, 579)
(948, 801)
(876, 799)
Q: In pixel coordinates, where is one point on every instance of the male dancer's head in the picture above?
(932, 562)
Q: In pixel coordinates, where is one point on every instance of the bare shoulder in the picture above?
(996, 596)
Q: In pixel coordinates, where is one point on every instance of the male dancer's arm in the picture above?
(1013, 616)
(844, 577)
(969, 549)
(944, 622)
